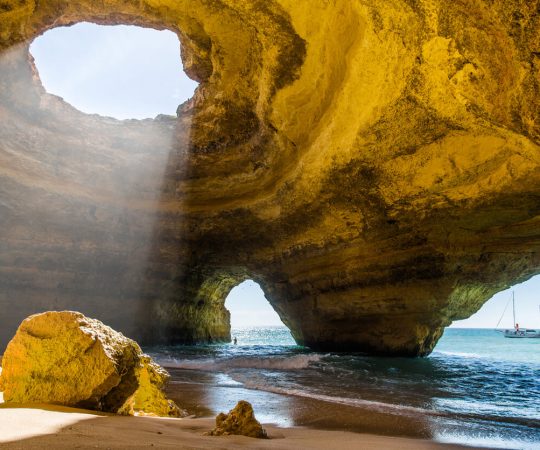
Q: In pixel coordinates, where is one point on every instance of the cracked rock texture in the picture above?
(65, 358)
(373, 165)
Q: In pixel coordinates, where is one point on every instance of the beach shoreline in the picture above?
(294, 418)
(205, 399)
(42, 426)
(52, 426)
(299, 408)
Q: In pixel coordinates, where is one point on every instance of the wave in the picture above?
(460, 354)
(297, 362)
(372, 405)
(389, 408)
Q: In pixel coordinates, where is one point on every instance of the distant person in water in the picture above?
(235, 341)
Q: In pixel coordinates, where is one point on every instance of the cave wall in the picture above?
(375, 166)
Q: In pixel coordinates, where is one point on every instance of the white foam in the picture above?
(297, 362)
(359, 403)
(461, 354)
(492, 442)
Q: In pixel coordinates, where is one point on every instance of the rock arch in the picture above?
(377, 168)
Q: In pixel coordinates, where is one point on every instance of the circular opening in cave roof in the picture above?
(120, 71)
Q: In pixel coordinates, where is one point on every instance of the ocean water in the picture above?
(476, 388)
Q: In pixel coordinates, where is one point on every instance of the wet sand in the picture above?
(291, 423)
(294, 418)
(289, 411)
(63, 428)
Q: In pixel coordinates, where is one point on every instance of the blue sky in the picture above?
(249, 307)
(131, 72)
(527, 308)
(118, 71)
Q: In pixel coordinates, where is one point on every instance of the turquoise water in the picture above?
(488, 344)
(267, 336)
(476, 388)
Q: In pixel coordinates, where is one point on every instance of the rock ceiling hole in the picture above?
(120, 71)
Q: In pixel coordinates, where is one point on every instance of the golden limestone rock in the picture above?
(373, 165)
(65, 358)
(241, 421)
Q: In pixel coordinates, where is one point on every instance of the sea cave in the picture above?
(376, 171)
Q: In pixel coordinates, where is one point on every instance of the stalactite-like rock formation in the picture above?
(373, 165)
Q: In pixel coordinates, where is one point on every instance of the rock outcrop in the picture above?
(375, 166)
(240, 421)
(65, 358)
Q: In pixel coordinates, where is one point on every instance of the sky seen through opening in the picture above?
(119, 71)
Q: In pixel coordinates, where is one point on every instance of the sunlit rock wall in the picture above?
(375, 166)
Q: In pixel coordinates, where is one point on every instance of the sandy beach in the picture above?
(46, 426)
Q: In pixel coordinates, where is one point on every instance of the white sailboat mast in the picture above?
(514, 308)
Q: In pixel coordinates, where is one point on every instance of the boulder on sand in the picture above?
(241, 421)
(65, 358)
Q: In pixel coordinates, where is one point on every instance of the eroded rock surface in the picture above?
(240, 421)
(65, 358)
(373, 165)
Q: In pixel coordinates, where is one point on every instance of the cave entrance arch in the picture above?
(498, 307)
(473, 334)
(253, 319)
(119, 71)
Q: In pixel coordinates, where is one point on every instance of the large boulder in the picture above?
(241, 421)
(68, 359)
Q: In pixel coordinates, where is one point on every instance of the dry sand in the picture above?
(44, 426)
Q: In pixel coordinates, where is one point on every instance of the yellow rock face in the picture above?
(65, 358)
(375, 166)
(239, 421)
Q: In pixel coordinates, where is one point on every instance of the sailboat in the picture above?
(518, 332)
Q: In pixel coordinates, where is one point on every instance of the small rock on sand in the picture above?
(240, 421)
